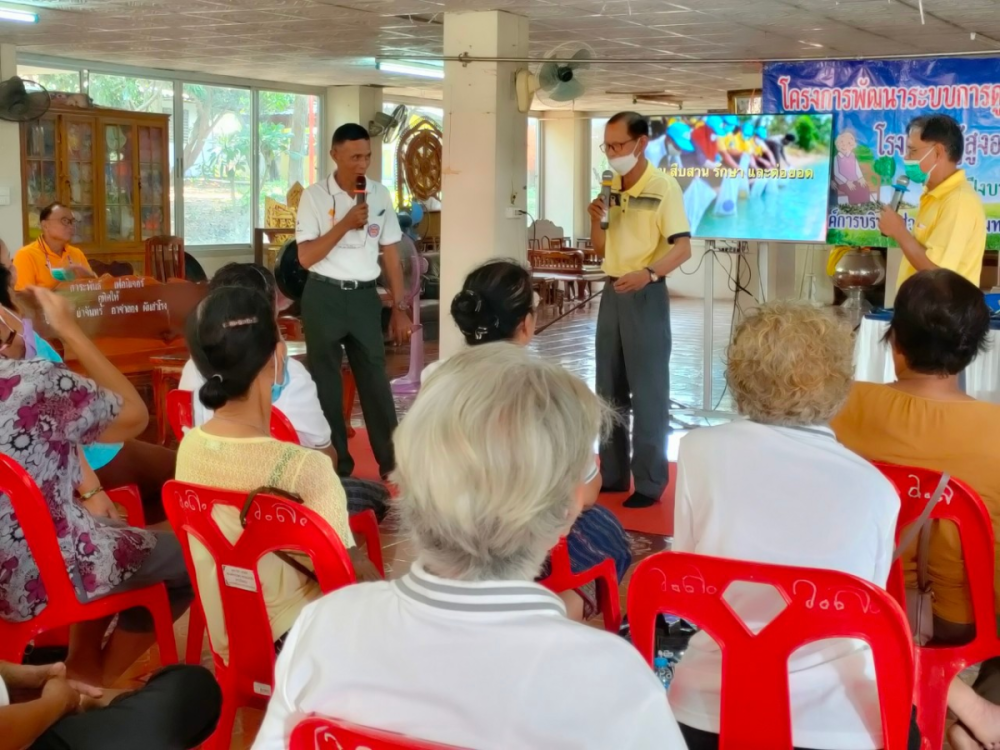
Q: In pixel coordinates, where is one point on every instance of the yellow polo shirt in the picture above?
(34, 263)
(951, 224)
(648, 219)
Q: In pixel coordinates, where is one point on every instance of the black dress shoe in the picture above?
(638, 500)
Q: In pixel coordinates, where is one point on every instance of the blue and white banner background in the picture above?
(872, 103)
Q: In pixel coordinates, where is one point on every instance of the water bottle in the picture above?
(664, 671)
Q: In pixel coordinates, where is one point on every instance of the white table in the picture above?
(873, 362)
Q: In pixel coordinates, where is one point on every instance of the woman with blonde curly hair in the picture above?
(778, 488)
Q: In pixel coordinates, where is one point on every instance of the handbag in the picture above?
(283, 556)
(920, 601)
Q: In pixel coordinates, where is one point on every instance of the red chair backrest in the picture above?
(317, 733)
(961, 505)
(281, 427)
(35, 520)
(180, 414)
(272, 524)
(821, 604)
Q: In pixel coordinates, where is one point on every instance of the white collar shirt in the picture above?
(355, 257)
(787, 496)
(299, 401)
(480, 665)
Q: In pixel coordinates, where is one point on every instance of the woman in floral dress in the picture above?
(46, 413)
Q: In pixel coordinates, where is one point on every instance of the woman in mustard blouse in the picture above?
(234, 341)
(51, 259)
(940, 324)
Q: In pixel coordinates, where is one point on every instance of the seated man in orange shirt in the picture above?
(51, 259)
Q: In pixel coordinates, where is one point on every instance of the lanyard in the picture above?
(46, 250)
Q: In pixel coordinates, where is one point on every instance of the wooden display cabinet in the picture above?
(110, 166)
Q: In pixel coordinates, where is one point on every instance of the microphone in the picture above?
(606, 179)
(901, 185)
(360, 196)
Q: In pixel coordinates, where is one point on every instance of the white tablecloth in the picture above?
(873, 362)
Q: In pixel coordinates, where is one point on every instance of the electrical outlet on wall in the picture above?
(513, 212)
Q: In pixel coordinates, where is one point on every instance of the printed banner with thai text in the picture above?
(872, 102)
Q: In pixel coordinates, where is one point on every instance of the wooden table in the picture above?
(133, 320)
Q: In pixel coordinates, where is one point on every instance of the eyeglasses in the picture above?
(615, 148)
(67, 221)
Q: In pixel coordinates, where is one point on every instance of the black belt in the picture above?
(661, 280)
(347, 286)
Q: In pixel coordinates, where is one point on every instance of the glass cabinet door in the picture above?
(80, 176)
(41, 177)
(119, 182)
(151, 180)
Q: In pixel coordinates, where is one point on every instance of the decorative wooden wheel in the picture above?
(419, 160)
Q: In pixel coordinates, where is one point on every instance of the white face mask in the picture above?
(623, 164)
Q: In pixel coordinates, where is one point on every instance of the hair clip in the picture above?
(217, 376)
(239, 322)
(473, 294)
(480, 332)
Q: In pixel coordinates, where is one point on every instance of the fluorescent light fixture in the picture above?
(411, 69)
(21, 16)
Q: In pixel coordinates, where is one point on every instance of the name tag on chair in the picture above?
(239, 578)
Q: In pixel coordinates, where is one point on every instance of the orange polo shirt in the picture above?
(34, 263)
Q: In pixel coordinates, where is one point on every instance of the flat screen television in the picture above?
(748, 177)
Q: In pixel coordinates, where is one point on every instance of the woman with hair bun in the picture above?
(235, 343)
(497, 304)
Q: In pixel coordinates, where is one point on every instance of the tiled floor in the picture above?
(571, 342)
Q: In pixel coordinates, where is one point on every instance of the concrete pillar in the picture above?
(354, 104)
(485, 153)
(566, 181)
(11, 224)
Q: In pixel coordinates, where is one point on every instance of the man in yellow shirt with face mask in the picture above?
(950, 231)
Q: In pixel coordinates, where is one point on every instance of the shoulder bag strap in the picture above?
(283, 556)
(918, 526)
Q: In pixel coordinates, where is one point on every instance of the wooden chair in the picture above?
(553, 268)
(165, 257)
(556, 243)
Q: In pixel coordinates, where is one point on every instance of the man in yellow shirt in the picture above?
(51, 259)
(950, 231)
(648, 236)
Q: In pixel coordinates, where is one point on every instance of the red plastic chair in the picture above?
(64, 608)
(180, 412)
(821, 604)
(130, 501)
(180, 415)
(272, 524)
(562, 578)
(316, 733)
(938, 665)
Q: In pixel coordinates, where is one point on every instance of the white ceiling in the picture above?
(329, 42)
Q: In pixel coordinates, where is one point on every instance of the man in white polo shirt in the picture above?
(339, 239)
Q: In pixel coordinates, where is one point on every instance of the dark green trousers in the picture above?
(337, 320)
